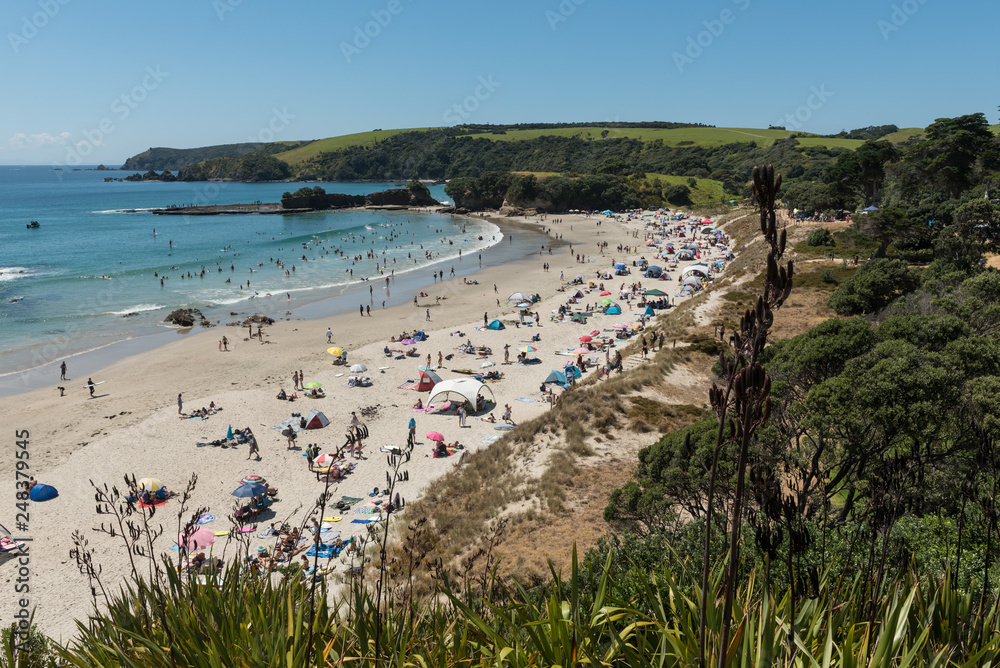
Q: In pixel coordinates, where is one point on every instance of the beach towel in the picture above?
(196, 417)
(525, 400)
(266, 532)
(451, 451)
(363, 521)
(324, 551)
(490, 439)
(150, 505)
(408, 385)
(205, 519)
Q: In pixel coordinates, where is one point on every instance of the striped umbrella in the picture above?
(527, 349)
(150, 484)
(326, 459)
(253, 480)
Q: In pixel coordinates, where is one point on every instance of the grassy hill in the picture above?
(309, 150)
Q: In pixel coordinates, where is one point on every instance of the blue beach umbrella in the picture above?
(249, 491)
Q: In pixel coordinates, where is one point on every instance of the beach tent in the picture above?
(579, 317)
(653, 271)
(649, 311)
(419, 336)
(468, 389)
(571, 370)
(577, 294)
(428, 379)
(614, 309)
(519, 297)
(42, 492)
(316, 420)
(696, 269)
(495, 324)
(556, 377)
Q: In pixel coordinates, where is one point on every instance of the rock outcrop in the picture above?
(187, 317)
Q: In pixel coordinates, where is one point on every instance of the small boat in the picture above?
(33, 225)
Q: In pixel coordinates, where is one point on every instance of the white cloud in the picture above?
(40, 139)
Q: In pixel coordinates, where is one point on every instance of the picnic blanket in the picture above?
(408, 385)
(150, 505)
(205, 519)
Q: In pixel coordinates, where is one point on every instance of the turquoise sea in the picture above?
(54, 302)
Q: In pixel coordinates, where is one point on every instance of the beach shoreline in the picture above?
(132, 425)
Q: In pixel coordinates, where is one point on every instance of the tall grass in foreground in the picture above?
(238, 620)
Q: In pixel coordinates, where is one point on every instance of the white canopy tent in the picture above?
(469, 389)
(696, 268)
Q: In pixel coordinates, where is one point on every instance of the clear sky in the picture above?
(98, 81)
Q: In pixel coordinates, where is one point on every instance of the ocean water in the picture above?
(54, 302)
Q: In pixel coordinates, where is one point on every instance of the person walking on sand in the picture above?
(62, 371)
(506, 353)
(180, 401)
(369, 310)
(225, 344)
(253, 447)
(90, 384)
(329, 335)
(295, 380)
(427, 316)
(440, 360)
(361, 307)
(507, 414)
(302, 379)
(486, 320)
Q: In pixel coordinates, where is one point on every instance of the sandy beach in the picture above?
(132, 426)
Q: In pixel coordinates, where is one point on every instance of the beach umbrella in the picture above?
(249, 491)
(605, 294)
(359, 368)
(150, 484)
(326, 460)
(253, 479)
(606, 301)
(581, 351)
(335, 351)
(579, 276)
(435, 436)
(407, 342)
(586, 338)
(313, 385)
(197, 540)
(527, 349)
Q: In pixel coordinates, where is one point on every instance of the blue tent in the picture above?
(495, 324)
(555, 377)
(614, 309)
(620, 265)
(42, 492)
(419, 336)
(649, 311)
(571, 370)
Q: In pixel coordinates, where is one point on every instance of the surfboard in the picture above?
(96, 384)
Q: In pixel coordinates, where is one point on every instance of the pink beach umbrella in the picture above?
(581, 351)
(435, 436)
(197, 540)
(586, 339)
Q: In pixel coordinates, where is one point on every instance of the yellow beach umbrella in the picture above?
(150, 484)
(335, 351)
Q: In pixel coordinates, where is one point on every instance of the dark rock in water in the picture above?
(257, 319)
(185, 317)
(129, 315)
(233, 313)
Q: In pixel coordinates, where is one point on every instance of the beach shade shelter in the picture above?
(527, 349)
(249, 491)
(519, 297)
(313, 386)
(700, 269)
(419, 336)
(577, 294)
(150, 485)
(495, 324)
(358, 368)
(229, 434)
(614, 309)
(428, 379)
(556, 377)
(468, 389)
(196, 540)
(253, 479)
(42, 492)
(654, 293)
(579, 317)
(692, 281)
(586, 338)
(571, 370)
(435, 436)
(649, 311)
(620, 265)
(335, 351)
(326, 460)
(316, 420)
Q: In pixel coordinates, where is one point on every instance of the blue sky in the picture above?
(88, 81)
